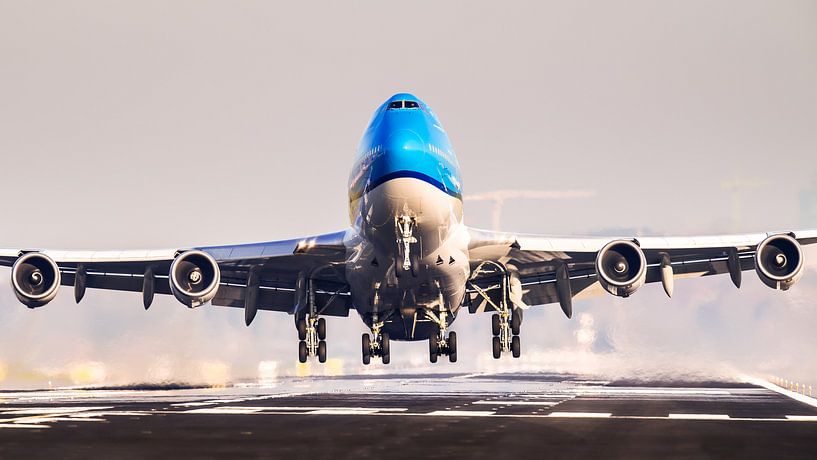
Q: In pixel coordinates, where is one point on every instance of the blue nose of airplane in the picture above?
(404, 141)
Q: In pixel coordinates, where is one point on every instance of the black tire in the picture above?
(516, 322)
(516, 346)
(384, 343)
(302, 352)
(497, 346)
(433, 349)
(495, 324)
(367, 349)
(452, 347)
(386, 358)
(322, 351)
(321, 329)
(301, 326)
(415, 264)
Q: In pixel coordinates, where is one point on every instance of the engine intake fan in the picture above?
(194, 278)
(35, 278)
(621, 267)
(779, 261)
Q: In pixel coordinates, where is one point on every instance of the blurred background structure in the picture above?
(167, 124)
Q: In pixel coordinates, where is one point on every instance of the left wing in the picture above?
(275, 275)
(540, 270)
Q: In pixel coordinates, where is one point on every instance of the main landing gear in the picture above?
(439, 343)
(377, 345)
(507, 321)
(311, 338)
(506, 327)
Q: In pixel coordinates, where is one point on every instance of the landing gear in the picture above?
(439, 343)
(506, 323)
(405, 226)
(506, 327)
(379, 346)
(311, 337)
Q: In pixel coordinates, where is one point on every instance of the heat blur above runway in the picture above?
(405, 416)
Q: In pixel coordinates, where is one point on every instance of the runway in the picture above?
(401, 416)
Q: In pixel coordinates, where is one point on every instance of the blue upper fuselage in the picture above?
(404, 139)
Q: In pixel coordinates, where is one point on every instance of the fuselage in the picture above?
(405, 202)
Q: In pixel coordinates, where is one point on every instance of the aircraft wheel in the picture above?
(322, 351)
(495, 326)
(384, 343)
(433, 349)
(367, 349)
(516, 322)
(302, 352)
(321, 329)
(516, 347)
(301, 325)
(452, 347)
(497, 346)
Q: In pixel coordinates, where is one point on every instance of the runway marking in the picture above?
(460, 413)
(651, 391)
(699, 416)
(22, 425)
(52, 410)
(770, 386)
(802, 418)
(295, 409)
(342, 412)
(500, 402)
(580, 414)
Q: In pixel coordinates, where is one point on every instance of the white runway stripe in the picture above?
(802, 418)
(461, 413)
(699, 416)
(580, 414)
(517, 403)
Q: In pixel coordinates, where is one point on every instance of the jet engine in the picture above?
(779, 261)
(35, 278)
(621, 267)
(194, 278)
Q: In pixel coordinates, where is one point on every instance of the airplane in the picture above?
(408, 264)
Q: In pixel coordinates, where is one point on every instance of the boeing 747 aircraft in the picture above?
(407, 265)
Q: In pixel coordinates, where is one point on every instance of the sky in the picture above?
(172, 124)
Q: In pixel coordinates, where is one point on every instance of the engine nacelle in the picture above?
(779, 261)
(621, 267)
(194, 278)
(35, 278)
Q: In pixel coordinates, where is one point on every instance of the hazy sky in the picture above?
(166, 124)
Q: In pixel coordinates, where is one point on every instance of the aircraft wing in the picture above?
(274, 273)
(543, 270)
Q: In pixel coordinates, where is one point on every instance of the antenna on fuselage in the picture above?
(498, 198)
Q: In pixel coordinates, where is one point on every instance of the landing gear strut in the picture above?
(506, 327)
(506, 323)
(377, 345)
(439, 343)
(311, 330)
(311, 338)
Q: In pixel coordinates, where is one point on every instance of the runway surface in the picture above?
(402, 416)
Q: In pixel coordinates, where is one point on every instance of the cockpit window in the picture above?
(403, 105)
